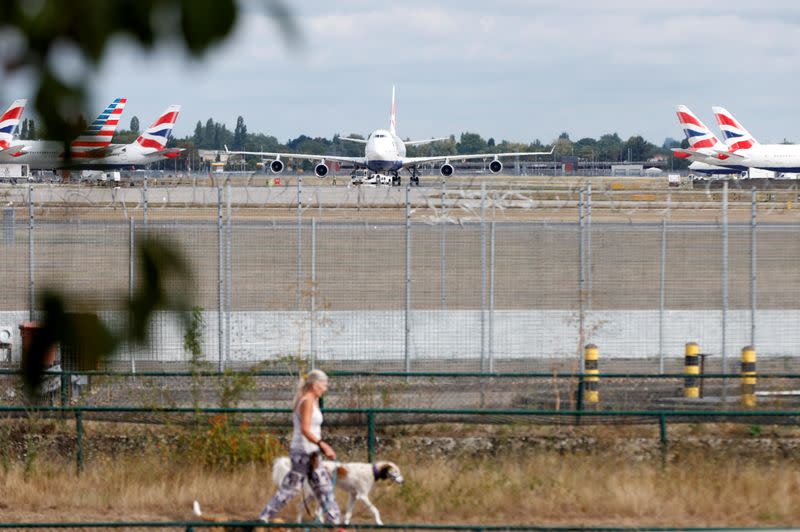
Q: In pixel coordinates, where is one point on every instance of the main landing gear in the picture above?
(395, 178)
(414, 176)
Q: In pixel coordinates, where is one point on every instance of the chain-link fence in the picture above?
(516, 276)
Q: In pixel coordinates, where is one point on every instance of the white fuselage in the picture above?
(775, 157)
(48, 154)
(384, 152)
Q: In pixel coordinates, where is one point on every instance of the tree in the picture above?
(31, 129)
(198, 134)
(609, 147)
(23, 132)
(134, 124)
(638, 149)
(471, 143)
(239, 134)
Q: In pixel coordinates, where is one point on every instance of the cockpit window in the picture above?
(380, 136)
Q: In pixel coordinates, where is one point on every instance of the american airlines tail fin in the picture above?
(9, 122)
(736, 136)
(98, 134)
(393, 116)
(154, 138)
(697, 133)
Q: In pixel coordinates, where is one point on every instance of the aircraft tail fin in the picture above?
(393, 115)
(697, 133)
(736, 136)
(9, 122)
(155, 137)
(99, 133)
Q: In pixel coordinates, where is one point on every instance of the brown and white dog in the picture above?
(354, 478)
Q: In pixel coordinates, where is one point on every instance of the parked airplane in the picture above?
(49, 154)
(149, 147)
(384, 151)
(705, 150)
(9, 122)
(746, 151)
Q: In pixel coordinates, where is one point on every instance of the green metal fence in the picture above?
(370, 418)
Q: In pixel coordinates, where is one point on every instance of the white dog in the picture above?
(354, 478)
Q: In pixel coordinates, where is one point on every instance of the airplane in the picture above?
(706, 151)
(384, 151)
(49, 154)
(748, 152)
(9, 122)
(148, 147)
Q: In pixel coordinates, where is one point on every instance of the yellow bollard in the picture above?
(591, 393)
(749, 376)
(691, 368)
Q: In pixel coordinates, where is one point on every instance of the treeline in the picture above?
(215, 136)
(609, 147)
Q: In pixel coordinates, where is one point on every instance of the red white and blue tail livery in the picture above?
(9, 122)
(736, 136)
(155, 137)
(99, 133)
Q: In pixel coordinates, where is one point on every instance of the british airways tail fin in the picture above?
(736, 136)
(393, 115)
(155, 137)
(697, 133)
(9, 122)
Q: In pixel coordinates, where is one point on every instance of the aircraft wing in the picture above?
(16, 150)
(302, 156)
(722, 155)
(449, 158)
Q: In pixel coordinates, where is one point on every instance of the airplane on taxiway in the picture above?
(384, 151)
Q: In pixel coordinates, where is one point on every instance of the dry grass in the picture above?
(538, 488)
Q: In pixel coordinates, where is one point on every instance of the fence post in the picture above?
(491, 298)
(588, 252)
(662, 435)
(313, 298)
(691, 368)
(748, 376)
(131, 270)
(581, 273)
(144, 201)
(31, 264)
(592, 369)
(228, 273)
(724, 288)
(483, 277)
(662, 295)
(299, 240)
(220, 278)
(753, 254)
(443, 250)
(370, 435)
(407, 338)
(79, 440)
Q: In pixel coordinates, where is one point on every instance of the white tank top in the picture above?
(299, 441)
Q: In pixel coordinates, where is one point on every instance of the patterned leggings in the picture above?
(318, 479)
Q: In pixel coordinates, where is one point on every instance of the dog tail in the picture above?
(196, 509)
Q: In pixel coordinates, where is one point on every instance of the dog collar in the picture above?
(375, 471)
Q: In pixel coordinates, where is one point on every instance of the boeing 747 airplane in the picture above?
(384, 151)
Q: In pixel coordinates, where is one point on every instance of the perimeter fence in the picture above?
(455, 276)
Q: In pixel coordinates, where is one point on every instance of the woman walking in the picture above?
(305, 452)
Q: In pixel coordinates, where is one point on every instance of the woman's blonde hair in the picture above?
(315, 375)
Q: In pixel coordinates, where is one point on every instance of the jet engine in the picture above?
(446, 169)
(321, 170)
(495, 166)
(276, 166)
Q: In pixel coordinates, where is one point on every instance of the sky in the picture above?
(507, 69)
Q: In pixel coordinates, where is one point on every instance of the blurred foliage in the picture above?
(165, 283)
(40, 32)
(41, 37)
